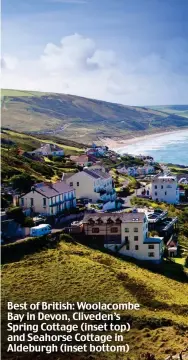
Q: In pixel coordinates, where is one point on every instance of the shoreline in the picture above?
(121, 143)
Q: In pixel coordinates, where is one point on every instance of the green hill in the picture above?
(180, 110)
(74, 272)
(80, 118)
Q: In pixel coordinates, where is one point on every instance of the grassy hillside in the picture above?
(14, 164)
(180, 110)
(80, 118)
(74, 272)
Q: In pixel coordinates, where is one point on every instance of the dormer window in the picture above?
(110, 221)
(91, 221)
(99, 221)
(118, 221)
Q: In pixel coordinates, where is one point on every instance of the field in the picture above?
(81, 119)
(74, 272)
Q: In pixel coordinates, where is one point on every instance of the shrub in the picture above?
(66, 238)
(28, 222)
(16, 214)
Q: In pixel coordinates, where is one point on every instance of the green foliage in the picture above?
(57, 158)
(28, 222)
(42, 168)
(16, 214)
(22, 182)
(186, 262)
(66, 237)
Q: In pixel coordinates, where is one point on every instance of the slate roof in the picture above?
(124, 217)
(52, 189)
(97, 174)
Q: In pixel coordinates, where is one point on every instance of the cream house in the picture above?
(49, 199)
(92, 184)
(165, 188)
(126, 233)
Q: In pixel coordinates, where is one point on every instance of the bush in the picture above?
(16, 214)
(57, 158)
(28, 222)
(16, 251)
(66, 237)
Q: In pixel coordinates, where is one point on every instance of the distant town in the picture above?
(126, 204)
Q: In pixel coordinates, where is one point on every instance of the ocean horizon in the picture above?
(164, 148)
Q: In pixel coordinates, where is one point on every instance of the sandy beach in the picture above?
(120, 143)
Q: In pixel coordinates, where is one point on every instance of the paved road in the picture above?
(128, 198)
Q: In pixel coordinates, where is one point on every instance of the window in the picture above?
(71, 183)
(95, 230)
(126, 229)
(151, 254)
(78, 183)
(136, 247)
(155, 193)
(44, 201)
(127, 247)
(165, 192)
(126, 238)
(161, 186)
(22, 201)
(155, 186)
(150, 246)
(135, 229)
(135, 238)
(32, 202)
(114, 230)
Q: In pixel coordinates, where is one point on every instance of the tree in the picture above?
(16, 214)
(22, 182)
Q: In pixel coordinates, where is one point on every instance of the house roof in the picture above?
(97, 174)
(81, 158)
(52, 189)
(124, 217)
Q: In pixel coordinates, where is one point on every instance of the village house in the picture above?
(93, 184)
(48, 149)
(164, 188)
(48, 199)
(81, 160)
(136, 171)
(158, 220)
(97, 151)
(125, 233)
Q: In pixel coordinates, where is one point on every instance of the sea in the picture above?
(164, 148)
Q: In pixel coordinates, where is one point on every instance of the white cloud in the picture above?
(78, 67)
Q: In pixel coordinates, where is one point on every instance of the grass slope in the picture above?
(12, 164)
(74, 272)
(80, 118)
(180, 110)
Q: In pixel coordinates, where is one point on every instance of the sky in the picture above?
(133, 52)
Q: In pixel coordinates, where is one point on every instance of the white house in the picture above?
(165, 188)
(126, 233)
(49, 199)
(48, 149)
(93, 184)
